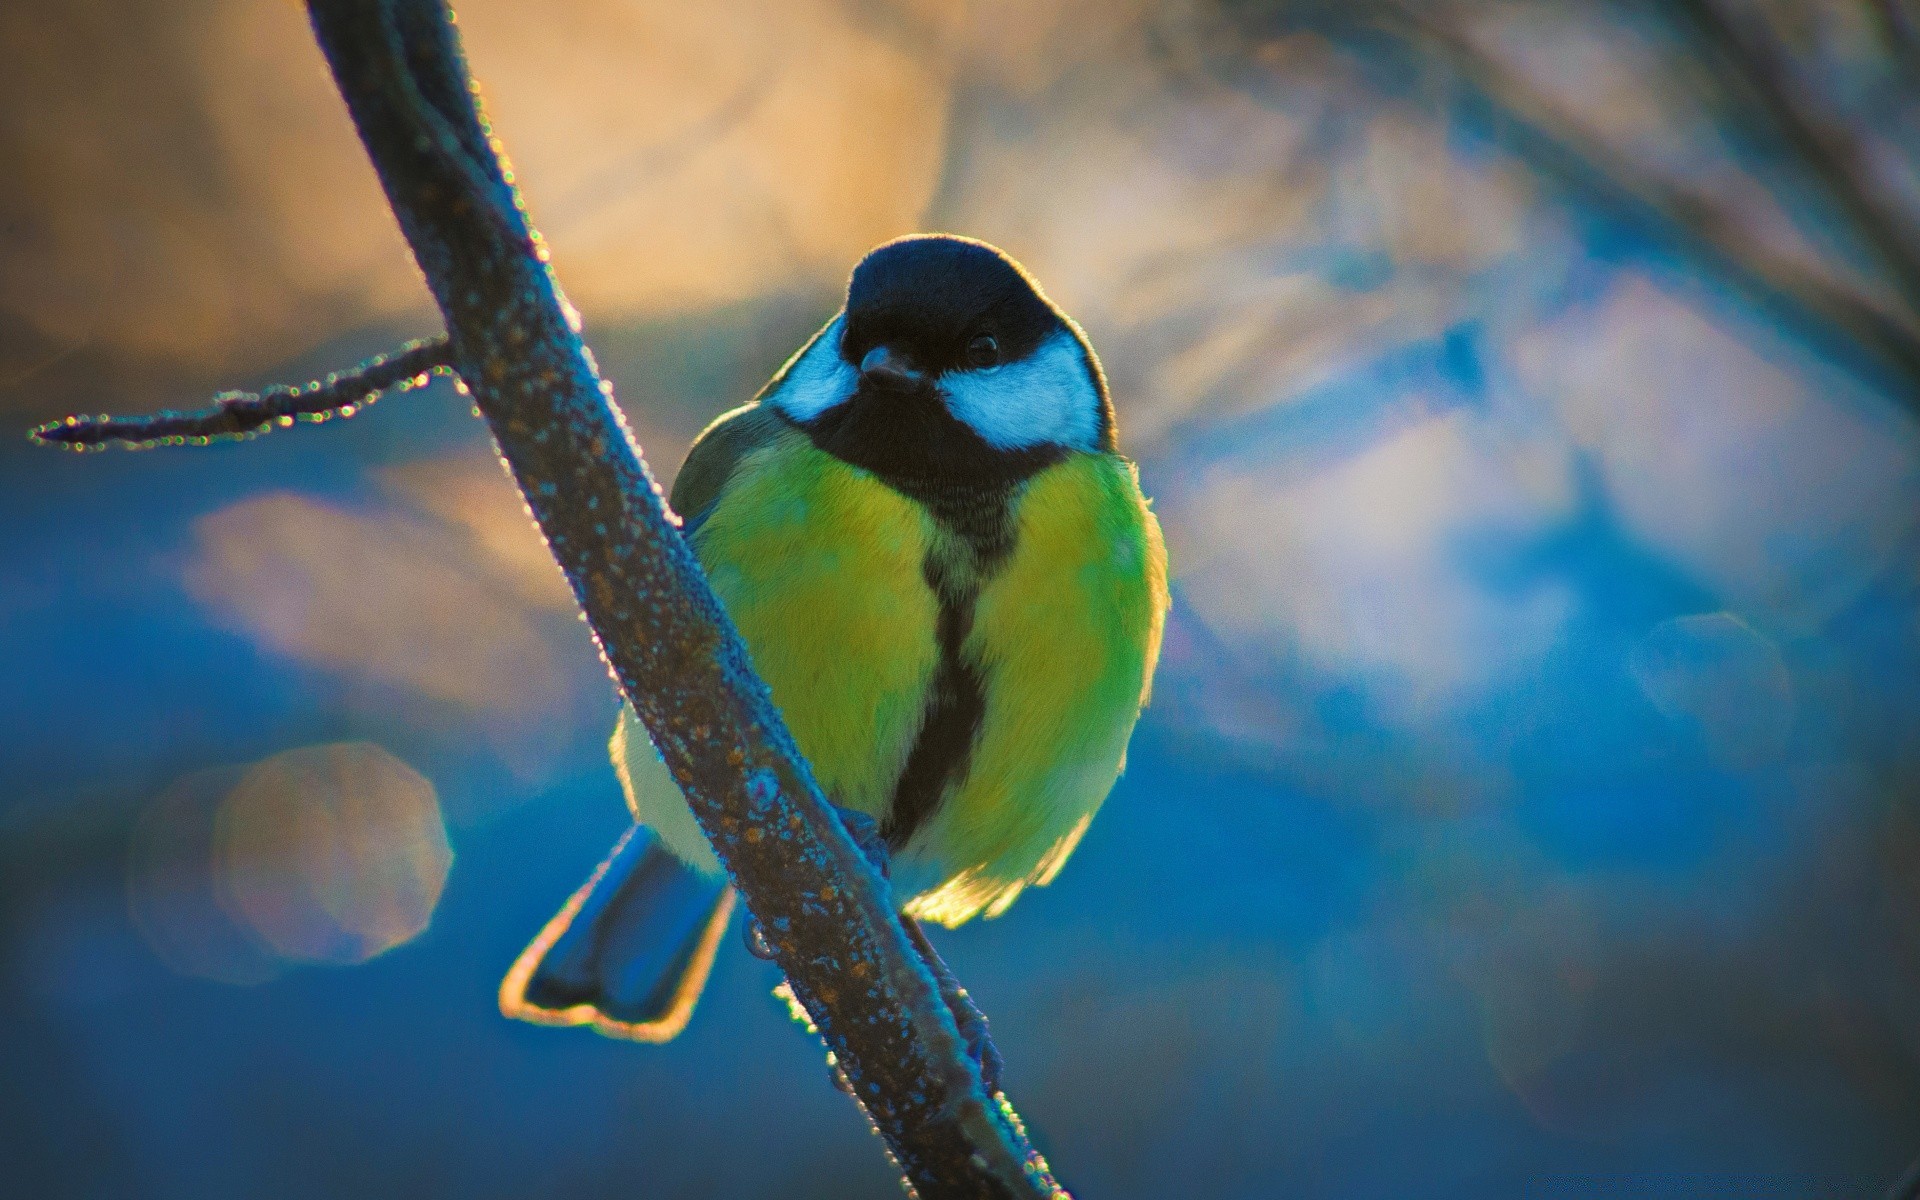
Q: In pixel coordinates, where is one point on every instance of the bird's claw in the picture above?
(756, 940)
(865, 832)
(973, 1028)
(967, 1016)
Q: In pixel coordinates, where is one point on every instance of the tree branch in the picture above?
(514, 341)
(1568, 154)
(678, 659)
(236, 416)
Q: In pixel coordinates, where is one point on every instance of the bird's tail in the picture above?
(630, 952)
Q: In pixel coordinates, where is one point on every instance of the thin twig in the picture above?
(236, 416)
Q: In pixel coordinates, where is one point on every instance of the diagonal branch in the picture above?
(676, 655)
(1907, 1187)
(514, 341)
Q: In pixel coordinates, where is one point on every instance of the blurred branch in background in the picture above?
(1752, 84)
(514, 342)
(1753, 69)
(1691, 221)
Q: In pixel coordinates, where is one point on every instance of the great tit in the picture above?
(948, 577)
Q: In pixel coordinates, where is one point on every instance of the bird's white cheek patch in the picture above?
(1047, 398)
(817, 379)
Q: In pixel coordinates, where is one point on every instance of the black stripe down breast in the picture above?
(979, 524)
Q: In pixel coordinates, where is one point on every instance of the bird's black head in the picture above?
(947, 367)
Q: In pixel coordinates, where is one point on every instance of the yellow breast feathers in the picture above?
(825, 571)
(1066, 634)
(820, 566)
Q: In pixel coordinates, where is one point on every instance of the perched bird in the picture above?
(949, 579)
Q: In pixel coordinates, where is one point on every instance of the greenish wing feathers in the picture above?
(717, 453)
(652, 796)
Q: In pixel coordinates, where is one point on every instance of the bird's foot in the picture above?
(866, 835)
(966, 1014)
(973, 1027)
(978, 1041)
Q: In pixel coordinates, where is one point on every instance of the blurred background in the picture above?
(1527, 806)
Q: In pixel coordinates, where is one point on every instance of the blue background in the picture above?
(1526, 807)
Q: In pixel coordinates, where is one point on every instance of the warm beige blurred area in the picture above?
(369, 590)
(189, 202)
(187, 193)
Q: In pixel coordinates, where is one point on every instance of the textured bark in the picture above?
(825, 911)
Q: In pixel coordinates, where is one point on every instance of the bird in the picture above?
(951, 582)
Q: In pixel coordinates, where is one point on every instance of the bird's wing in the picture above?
(716, 453)
(721, 447)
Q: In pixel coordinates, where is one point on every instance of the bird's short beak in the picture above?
(885, 369)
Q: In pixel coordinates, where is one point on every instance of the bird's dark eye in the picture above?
(984, 351)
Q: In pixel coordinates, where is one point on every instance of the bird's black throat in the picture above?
(914, 445)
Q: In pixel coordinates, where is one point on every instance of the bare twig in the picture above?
(238, 415)
(1896, 20)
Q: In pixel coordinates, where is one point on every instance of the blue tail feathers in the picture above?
(630, 952)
